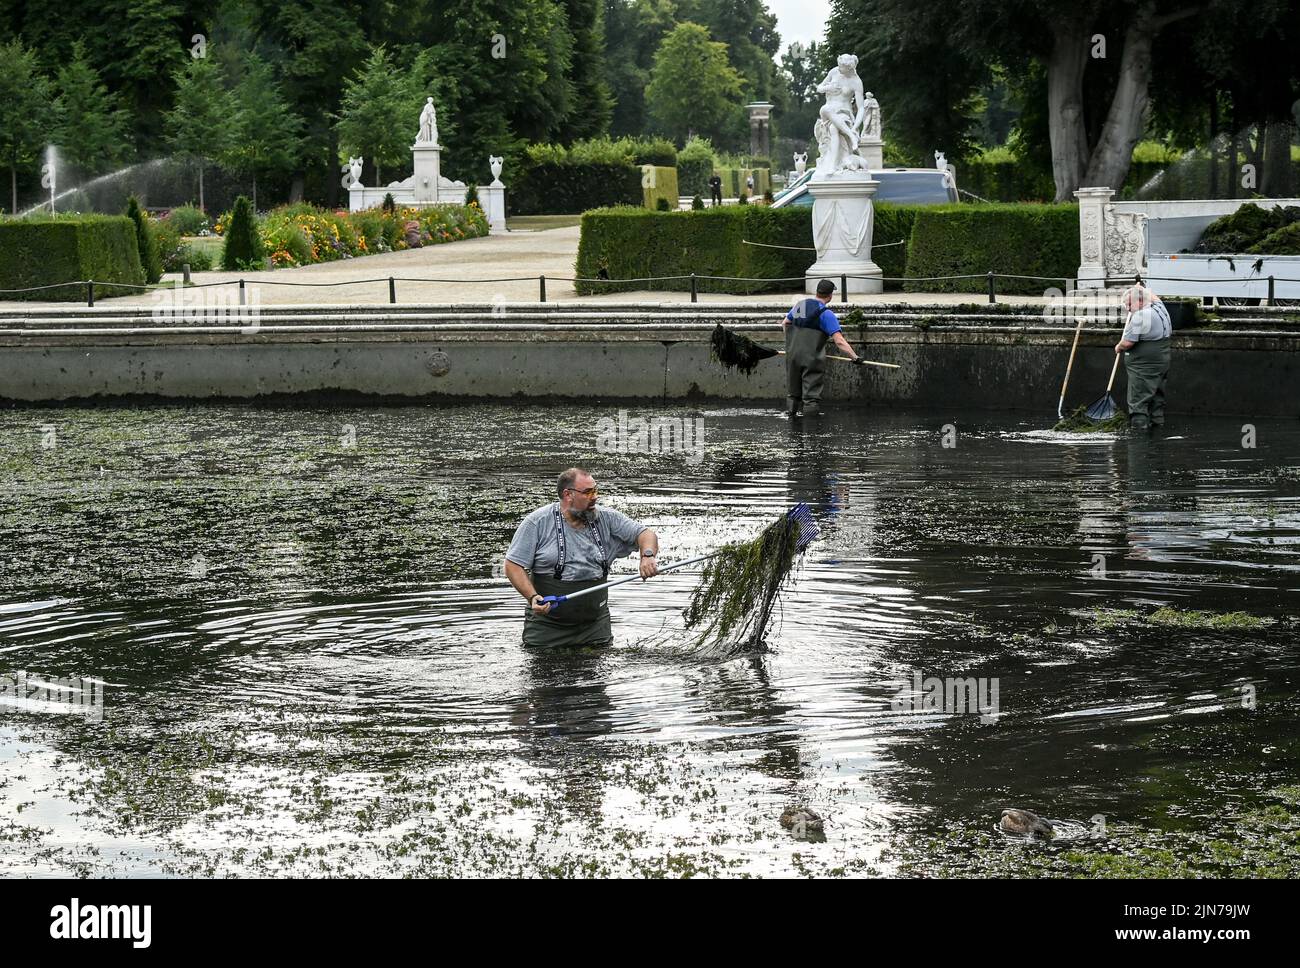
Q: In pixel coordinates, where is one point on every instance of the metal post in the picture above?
(90, 293)
(694, 294)
(542, 281)
(241, 292)
(392, 289)
(1271, 300)
(993, 295)
(185, 271)
(844, 287)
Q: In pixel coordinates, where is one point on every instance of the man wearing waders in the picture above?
(564, 547)
(1145, 345)
(808, 326)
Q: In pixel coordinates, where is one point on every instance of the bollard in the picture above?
(90, 293)
(694, 296)
(993, 296)
(185, 272)
(542, 281)
(392, 289)
(241, 292)
(1271, 300)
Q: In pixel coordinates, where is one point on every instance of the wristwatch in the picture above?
(648, 553)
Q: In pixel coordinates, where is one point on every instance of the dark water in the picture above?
(311, 666)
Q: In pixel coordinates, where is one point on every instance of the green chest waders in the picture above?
(580, 621)
(804, 361)
(1147, 364)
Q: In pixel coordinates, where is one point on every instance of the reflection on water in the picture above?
(310, 664)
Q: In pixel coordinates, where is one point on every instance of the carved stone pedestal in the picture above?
(843, 220)
(428, 171)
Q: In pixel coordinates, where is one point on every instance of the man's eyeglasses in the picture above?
(587, 493)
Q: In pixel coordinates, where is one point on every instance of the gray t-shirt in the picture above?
(1150, 322)
(537, 547)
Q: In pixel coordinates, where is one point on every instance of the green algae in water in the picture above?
(1178, 618)
(736, 351)
(739, 587)
(1080, 423)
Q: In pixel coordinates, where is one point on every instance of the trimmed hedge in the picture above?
(735, 181)
(658, 183)
(1029, 240)
(551, 188)
(44, 252)
(634, 243)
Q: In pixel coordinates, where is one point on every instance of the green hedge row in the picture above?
(735, 181)
(1028, 240)
(658, 182)
(693, 176)
(633, 243)
(550, 188)
(45, 252)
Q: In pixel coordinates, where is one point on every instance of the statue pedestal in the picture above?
(873, 150)
(492, 198)
(428, 171)
(843, 219)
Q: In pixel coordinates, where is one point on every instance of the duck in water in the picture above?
(1026, 824)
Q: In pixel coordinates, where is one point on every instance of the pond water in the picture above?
(307, 661)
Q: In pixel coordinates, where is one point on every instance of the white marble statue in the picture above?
(839, 130)
(871, 125)
(801, 162)
(428, 125)
(495, 162)
(940, 161)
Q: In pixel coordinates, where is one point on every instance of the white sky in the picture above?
(800, 19)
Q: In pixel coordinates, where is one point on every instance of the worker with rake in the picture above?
(808, 328)
(1145, 345)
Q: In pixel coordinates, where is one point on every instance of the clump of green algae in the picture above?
(1179, 618)
(734, 350)
(739, 586)
(1080, 423)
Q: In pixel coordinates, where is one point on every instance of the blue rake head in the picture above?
(800, 515)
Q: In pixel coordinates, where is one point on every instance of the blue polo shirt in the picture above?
(813, 314)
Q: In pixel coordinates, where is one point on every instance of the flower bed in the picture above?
(297, 235)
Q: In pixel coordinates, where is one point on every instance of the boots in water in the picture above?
(811, 408)
(791, 407)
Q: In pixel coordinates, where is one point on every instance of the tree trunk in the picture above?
(1214, 144)
(13, 187)
(1276, 180)
(1069, 137)
(254, 191)
(202, 206)
(1126, 118)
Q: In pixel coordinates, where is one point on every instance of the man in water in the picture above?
(566, 546)
(808, 326)
(1145, 345)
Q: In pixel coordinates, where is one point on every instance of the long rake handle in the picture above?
(1113, 370)
(892, 366)
(1070, 366)
(556, 599)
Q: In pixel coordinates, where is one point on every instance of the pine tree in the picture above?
(198, 127)
(24, 111)
(375, 118)
(264, 135)
(243, 248)
(91, 130)
(150, 257)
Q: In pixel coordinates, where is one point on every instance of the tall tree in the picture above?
(592, 102)
(374, 117)
(264, 133)
(693, 89)
(92, 130)
(24, 112)
(198, 127)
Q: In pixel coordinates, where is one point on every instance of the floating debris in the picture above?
(735, 351)
(802, 820)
